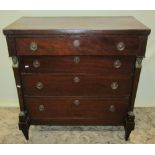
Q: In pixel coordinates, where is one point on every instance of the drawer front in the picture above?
(83, 45)
(75, 85)
(77, 108)
(78, 64)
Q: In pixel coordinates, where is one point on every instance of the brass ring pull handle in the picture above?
(76, 59)
(120, 46)
(76, 102)
(41, 107)
(33, 46)
(112, 108)
(76, 43)
(39, 85)
(114, 85)
(36, 64)
(76, 79)
(117, 64)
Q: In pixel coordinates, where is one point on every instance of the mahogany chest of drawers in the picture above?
(76, 71)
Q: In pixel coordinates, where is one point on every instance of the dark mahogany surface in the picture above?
(89, 45)
(86, 65)
(77, 25)
(88, 108)
(64, 85)
(77, 92)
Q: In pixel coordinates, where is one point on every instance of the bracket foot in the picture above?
(129, 124)
(24, 124)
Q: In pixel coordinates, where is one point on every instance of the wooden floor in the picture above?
(144, 130)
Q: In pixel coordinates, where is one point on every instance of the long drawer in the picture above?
(77, 108)
(78, 64)
(75, 85)
(78, 45)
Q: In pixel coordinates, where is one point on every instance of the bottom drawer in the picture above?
(78, 110)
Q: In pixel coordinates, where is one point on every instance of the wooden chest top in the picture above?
(60, 25)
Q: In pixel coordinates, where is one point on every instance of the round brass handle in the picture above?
(41, 107)
(36, 64)
(120, 46)
(114, 85)
(112, 108)
(76, 102)
(76, 79)
(76, 43)
(76, 59)
(39, 85)
(117, 64)
(33, 46)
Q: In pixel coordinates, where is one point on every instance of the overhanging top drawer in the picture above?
(78, 45)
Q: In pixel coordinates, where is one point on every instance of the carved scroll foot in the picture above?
(129, 124)
(24, 124)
